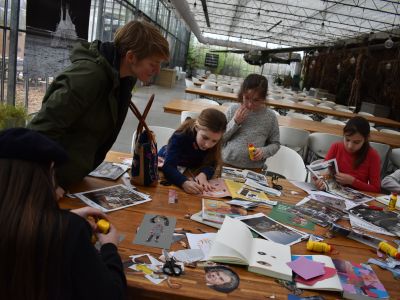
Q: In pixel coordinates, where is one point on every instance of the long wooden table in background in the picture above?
(295, 106)
(178, 105)
(252, 286)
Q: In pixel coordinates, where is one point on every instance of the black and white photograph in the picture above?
(108, 170)
(318, 212)
(388, 220)
(113, 198)
(272, 230)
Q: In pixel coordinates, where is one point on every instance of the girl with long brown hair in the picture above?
(46, 252)
(195, 144)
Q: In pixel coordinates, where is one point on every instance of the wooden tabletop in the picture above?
(331, 112)
(252, 286)
(176, 106)
(296, 106)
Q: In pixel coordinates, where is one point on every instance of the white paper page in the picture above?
(276, 255)
(308, 187)
(235, 235)
(202, 241)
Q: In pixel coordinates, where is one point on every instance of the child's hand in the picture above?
(241, 114)
(202, 180)
(344, 179)
(110, 237)
(191, 187)
(258, 154)
(319, 183)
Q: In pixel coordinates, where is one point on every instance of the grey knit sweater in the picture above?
(260, 128)
(391, 182)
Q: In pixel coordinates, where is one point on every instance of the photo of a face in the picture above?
(221, 278)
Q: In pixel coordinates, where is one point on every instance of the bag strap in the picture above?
(141, 118)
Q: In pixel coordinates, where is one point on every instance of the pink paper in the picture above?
(307, 268)
(329, 272)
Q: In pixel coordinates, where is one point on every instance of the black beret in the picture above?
(27, 144)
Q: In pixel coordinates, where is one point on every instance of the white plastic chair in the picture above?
(276, 97)
(373, 129)
(223, 88)
(189, 114)
(333, 121)
(311, 101)
(206, 101)
(365, 114)
(294, 138)
(395, 157)
(390, 131)
(319, 143)
(161, 133)
(307, 103)
(288, 163)
(236, 89)
(329, 103)
(343, 110)
(299, 116)
(189, 83)
(323, 105)
(383, 151)
(275, 112)
(208, 86)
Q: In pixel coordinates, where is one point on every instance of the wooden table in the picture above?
(177, 106)
(296, 106)
(211, 93)
(252, 286)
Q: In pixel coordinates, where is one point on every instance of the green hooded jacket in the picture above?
(80, 111)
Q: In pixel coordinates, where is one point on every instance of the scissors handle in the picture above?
(172, 269)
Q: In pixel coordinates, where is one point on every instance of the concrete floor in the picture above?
(156, 115)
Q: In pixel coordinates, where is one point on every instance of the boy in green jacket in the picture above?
(85, 106)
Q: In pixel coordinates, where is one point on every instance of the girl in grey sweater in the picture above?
(250, 122)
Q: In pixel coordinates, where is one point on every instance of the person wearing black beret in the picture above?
(46, 252)
(85, 106)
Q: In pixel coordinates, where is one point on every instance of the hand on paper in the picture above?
(241, 114)
(344, 179)
(202, 180)
(192, 187)
(319, 183)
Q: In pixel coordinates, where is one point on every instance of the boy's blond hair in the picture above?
(143, 39)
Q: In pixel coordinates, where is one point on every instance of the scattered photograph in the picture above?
(388, 220)
(318, 212)
(108, 170)
(156, 231)
(216, 210)
(273, 230)
(113, 198)
(221, 278)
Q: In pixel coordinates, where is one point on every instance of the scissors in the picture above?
(170, 267)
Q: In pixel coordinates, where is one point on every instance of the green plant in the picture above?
(12, 116)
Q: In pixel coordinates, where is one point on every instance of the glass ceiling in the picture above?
(295, 22)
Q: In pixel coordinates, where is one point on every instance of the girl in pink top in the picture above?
(358, 163)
